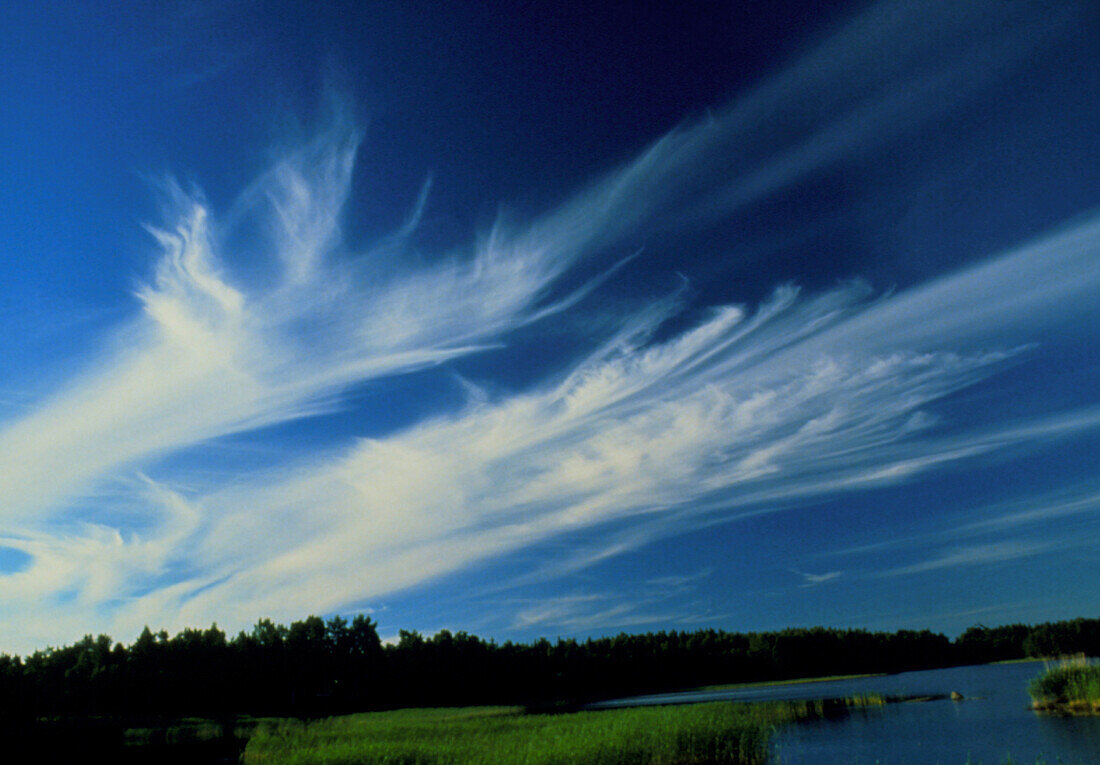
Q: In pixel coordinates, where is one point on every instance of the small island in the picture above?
(1071, 687)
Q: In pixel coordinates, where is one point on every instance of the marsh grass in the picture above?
(1071, 686)
(720, 732)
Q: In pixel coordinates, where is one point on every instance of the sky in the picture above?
(544, 319)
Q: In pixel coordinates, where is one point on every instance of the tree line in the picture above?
(318, 667)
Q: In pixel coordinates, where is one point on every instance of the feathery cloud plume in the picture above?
(747, 409)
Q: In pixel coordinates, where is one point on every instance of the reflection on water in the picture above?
(119, 742)
(992, 722)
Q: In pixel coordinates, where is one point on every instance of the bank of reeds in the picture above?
(721, 732)
(1071, 686)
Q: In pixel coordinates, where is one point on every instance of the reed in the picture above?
(720, 732)
(1071, 686)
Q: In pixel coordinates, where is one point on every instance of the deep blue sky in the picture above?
(541, 319)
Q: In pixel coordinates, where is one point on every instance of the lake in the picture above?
(178, 742)
(991, 723)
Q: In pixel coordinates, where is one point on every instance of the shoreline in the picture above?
(768, 683)
(1071, 708)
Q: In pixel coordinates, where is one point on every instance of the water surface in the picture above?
(993, 721)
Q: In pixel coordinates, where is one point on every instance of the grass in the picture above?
(720, 732)
(1071, 686)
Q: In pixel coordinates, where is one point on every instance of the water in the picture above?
(992, 723)
(95, 739)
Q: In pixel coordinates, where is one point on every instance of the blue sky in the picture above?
(529, 320)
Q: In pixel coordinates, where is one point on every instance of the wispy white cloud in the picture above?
(972, 555)
(679, 582)
(747, 409)
(713, 422)
(1026, 526)
(1044, 509)
(653, 603)
(210, 357)
(841, 98)
(812, 580)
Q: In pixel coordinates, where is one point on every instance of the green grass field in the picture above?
(721, 732)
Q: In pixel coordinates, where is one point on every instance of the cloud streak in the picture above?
(1053, 522)
(722, 419)
(656, 430)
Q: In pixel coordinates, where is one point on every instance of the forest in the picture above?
(318, 667)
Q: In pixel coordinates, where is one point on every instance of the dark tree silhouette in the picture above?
(317, 667)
